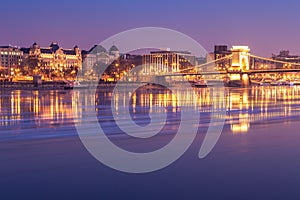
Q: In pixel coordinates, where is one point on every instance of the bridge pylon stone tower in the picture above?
(239, 65)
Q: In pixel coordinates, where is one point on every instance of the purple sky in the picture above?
(266, 26)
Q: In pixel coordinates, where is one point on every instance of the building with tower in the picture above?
(53, 60)
(98, 54)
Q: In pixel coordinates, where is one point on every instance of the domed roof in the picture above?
(35, 45)
(113, 48)
(97, 49)
(54, 46)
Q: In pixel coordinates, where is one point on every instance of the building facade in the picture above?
(285, 57)
(52, 60)
(10, 60)
(158, 62)
(220, 52)
(98, 54)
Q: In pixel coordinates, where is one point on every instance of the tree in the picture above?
(99, 67)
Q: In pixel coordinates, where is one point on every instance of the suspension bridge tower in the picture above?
(239, 65)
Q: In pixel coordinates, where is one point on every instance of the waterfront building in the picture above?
(221, 51)
(158, 62)
(98, 54)
(285, 56)
(114, 52)
(10, 60)
(262, 64)
(52, 61)
(127, 62)
(200, 60)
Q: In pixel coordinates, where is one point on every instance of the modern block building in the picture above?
(158, 62)
(10, 59)
(221, 51)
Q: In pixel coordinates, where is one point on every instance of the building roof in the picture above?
(52, 49)
(54, 46)
(84, 52)
(284, 55)
(97, 49)
(69, 52)
(9, 46)
(5, 47)
(25, 50)
(46, 50)
(165, 52)
(113, 48)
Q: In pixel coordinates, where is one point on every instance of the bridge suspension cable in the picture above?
(213, 61)
(272, 60)
(230, 57)
(207, 63)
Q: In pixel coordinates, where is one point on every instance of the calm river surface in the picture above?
(256, 157)
(49, 113)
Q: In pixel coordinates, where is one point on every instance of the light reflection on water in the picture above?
(244, 107)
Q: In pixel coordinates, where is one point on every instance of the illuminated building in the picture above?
(200, 60)
(10, 59)
(114, 52)
(53, 58)
(285, 57)
(99, 54)
(221, 51)
(158, 62)
(263, 65)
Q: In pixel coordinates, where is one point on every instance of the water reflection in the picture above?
(262, 105)
(38, 108)
(244, 107)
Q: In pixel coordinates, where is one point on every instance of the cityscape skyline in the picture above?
(55, 63)
(160, 99)
(142, 51)
(265, 26)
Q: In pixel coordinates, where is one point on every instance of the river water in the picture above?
(256, 157)
(42, 113)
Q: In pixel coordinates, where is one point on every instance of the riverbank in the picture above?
(48, 85)
(67, 86)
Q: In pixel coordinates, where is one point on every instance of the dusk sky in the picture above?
(266, 26)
